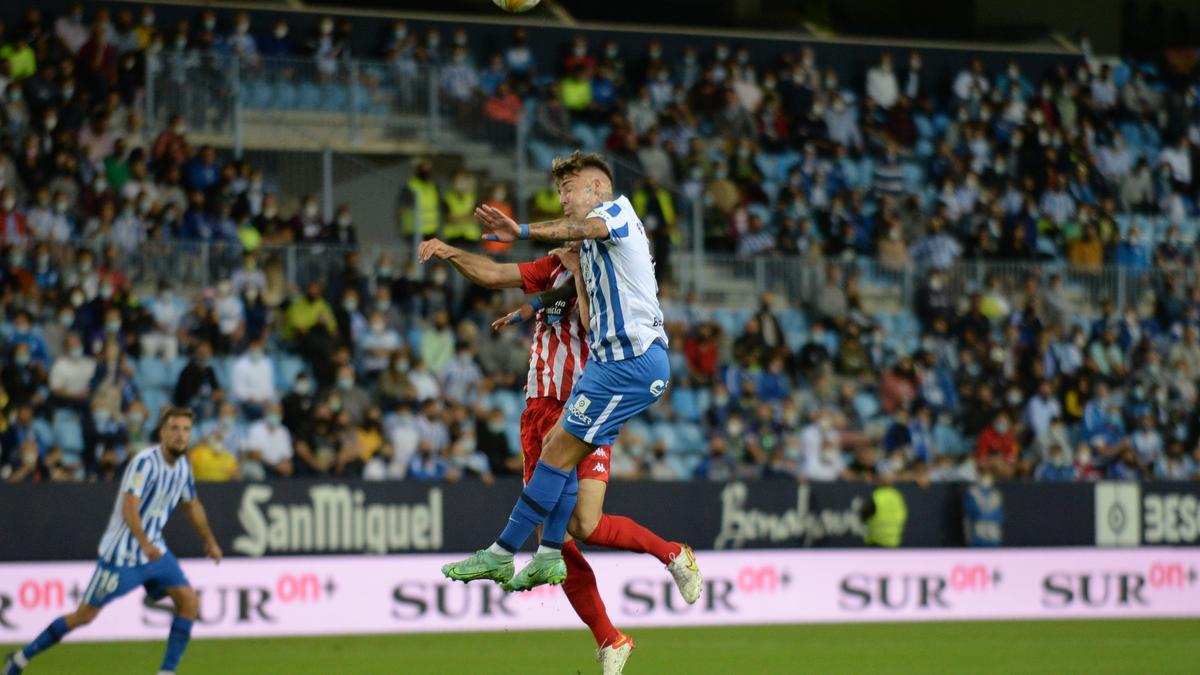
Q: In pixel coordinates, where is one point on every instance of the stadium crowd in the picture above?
(385, 371)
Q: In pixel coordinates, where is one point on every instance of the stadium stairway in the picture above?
(371, 171)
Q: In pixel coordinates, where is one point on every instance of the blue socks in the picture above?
(555, 529)
(539, 498)
(47, 638)
(177, 641)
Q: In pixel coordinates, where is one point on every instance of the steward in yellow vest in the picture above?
(421, 201)
(460, 201)
(885, 516)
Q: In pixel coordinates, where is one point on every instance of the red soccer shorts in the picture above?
(540, 416)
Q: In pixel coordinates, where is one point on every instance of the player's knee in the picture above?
(82, 616)
(187, 603)
(582, 525)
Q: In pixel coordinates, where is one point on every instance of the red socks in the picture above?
(613, 532)
(580, 588)
(625, 534)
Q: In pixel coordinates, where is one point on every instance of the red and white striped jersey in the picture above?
(559, 351)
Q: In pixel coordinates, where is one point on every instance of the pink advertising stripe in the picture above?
(402, 594)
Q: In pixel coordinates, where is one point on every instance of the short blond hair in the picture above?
(564, 167)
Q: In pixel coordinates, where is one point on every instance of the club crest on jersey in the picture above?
(657, 388)
(579, 410)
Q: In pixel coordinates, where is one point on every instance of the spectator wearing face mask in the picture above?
(997, 449)
(267, 451)
(342, 230)
(252, 380)
(307, 225)
(355, 400)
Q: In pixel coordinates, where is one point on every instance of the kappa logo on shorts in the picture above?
(599, 468)
(579, 410)
(657, 388)
(600, 453)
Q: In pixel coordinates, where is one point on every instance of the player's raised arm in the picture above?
(133, 520)
(502, 228)
(478, 269)
(199, 520)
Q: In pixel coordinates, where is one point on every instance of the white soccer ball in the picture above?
(516, 5)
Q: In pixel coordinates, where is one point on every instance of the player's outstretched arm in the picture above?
(555, 301)
(478, 269)
(199, 520)
(502, 228)
(133, 520)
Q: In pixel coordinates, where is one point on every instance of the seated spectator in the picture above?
(717, 466)
(461, 375)
(267, 451)
(71, 376)
(997, 448)
(252, 380)
(426, 464)
(1056, 467)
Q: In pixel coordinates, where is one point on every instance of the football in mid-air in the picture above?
(516, 5)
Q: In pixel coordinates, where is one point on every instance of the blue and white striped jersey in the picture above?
(159, 487)
(623, 295)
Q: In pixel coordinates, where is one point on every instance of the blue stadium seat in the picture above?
(949, 441)
(690, 439)
(638, 427)
(287, 368)
(176, 369)
(334, 98)
(155, 400)
(767, 163)
(68, 432)
(221, 366)
(43, 431)
(152, 373)
(924, 126)
(686, 404)
(914, 176)
(664, 433)
(740, 317)
(866, 405)
(308, 96)
(285, 96)
(259, 95)
(727, 320)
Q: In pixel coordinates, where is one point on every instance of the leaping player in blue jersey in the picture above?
(133, 552)
(626, 373)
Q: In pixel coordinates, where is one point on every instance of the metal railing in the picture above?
(730, 280)
(722, 280)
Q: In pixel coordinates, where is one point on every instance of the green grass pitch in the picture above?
(1105, 646)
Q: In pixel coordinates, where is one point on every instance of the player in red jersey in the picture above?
(556, 360)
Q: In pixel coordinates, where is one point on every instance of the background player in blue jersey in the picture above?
(132, 551)
(626, 373)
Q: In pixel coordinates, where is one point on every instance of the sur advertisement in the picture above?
(310, 595)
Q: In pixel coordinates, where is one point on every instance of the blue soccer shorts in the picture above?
(110, 582)
(611, 392)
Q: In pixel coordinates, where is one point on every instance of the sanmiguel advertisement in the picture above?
(312, 517)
